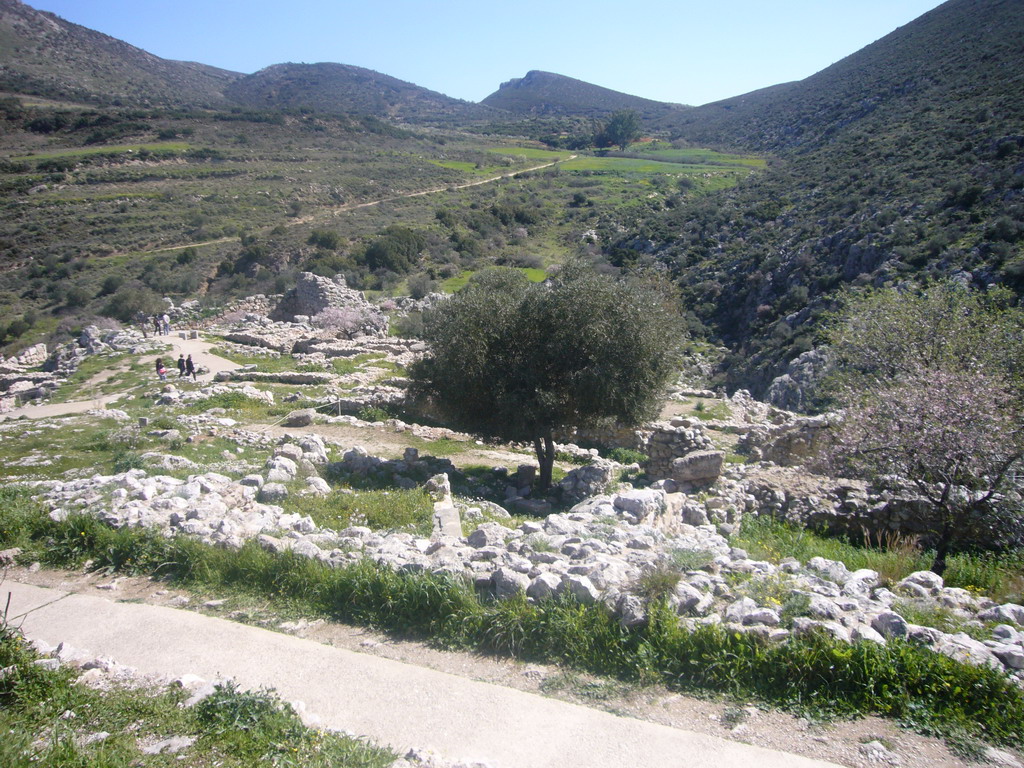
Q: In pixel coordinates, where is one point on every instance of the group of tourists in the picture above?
(186, 368)
(161, 324)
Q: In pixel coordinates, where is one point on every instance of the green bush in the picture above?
(627, 456)
(374, 413)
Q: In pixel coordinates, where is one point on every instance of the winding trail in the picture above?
(369, 204)
(393, 703)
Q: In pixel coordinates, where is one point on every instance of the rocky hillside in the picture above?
(43, 55)
(335, 88)
(545, 93)
(958, 61)
(904, 161)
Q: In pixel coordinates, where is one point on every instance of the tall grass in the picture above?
(811, 674)
(1001, 577)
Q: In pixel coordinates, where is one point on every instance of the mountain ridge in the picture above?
(550, 94)
(44, 55)
(335, 87)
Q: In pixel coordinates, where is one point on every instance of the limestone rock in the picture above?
(699, 467)
(300, 418)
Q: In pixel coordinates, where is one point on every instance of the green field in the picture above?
(694, 156)
(532, 153)
(633, 165)
(456, 283)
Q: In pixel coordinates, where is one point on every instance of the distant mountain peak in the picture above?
(345, 88)
(547, 93)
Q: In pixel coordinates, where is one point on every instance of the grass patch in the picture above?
(55, 447)
(441, 447)
(694, 156)
(716, 411)
(637, 165)
(531, 153)
(1000, 577)
(110, 149)
(241, 407)
(627, 456)
(814, 674)
(457, 283)
(74, 388)
(230, 728)
(391, 510)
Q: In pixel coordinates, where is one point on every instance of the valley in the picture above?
(769, 349)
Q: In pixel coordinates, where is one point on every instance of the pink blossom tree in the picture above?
(931, 389)
(955, 435)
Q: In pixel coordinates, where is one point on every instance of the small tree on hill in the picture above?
(931, 390)
(518, 360)
(622, 129)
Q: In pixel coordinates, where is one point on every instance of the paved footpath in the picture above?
(392, 703)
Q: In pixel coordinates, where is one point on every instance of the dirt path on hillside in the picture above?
(843, 742)
(369, 204)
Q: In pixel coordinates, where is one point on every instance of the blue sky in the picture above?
(684, 51)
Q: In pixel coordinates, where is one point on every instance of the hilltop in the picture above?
(902, 162)
(335, 88)
(548, 94)
(44, 55)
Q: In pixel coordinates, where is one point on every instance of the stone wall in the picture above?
(667, 441)
(788, 444)
(313, 294)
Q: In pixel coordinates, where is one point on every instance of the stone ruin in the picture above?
(313, 294)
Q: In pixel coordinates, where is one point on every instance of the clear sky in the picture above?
(687, 51)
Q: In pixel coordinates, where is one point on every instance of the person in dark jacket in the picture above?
(181, 366)
(190, 368)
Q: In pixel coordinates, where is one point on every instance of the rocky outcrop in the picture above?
(794, 390)
(788, 444)
(313, 294)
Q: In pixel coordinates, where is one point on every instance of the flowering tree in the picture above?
(955, 435)
(341, 321)
(930, 387)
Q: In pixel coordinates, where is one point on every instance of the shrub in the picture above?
(627, 456)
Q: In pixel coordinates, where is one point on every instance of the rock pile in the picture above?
(668, 442)
(313, 294)
(603, 550)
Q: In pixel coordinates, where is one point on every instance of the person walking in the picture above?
(190, 368)
(160, 370)
(165, 320)
(181, 366)
(156, 325)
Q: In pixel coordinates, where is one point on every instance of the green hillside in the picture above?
(43, 55)
(904, 161)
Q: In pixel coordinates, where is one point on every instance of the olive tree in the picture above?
(622, 129)
(930, 390)
(517, 360)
